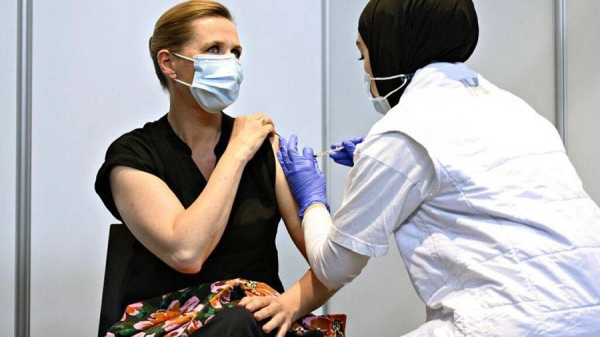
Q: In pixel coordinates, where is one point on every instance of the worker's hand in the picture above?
(279, 314)
(306, 180)
(345, 156)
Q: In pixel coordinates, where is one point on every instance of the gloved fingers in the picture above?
(308, 152)
(339, 155)
(282, 161)
(346, 152)
(357, 140)
(282, 143)
(349, 146)
(292, 146)
(346, 155)
(335, 145)
(342, 158)
(354, 141)
(283, 155)
(345, 162)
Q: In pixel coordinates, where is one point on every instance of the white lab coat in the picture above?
(507, 242)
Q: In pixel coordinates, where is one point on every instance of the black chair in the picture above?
(116, 275)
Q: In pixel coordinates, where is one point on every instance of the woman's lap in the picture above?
(232, 322)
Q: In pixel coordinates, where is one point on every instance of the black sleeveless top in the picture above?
(247, 247)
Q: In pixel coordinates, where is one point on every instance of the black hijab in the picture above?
(405, 35)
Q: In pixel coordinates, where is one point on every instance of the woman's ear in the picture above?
(166, 63)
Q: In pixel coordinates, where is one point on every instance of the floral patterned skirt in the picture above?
(185, 311)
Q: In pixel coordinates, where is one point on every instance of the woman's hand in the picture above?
(263, 307)
(249, 133)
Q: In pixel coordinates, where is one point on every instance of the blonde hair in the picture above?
(173, 29)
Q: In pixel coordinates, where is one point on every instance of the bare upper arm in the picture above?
(148, 208)
(288, 208)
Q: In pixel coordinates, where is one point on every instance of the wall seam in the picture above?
(560, 22)
(23, 168)
(325, 95)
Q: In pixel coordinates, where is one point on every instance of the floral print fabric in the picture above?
(183, 312)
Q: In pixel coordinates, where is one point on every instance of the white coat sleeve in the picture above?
(391, 177)
(333, 264)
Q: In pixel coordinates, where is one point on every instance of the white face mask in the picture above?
(381, 104)
(217, 79)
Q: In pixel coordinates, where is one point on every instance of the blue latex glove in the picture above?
(345, 156)
(302, 172)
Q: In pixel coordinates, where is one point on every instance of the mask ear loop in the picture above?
(404, 82)
(405, 79)
(185, 58)
(182, 82)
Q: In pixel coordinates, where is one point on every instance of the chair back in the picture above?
(116, 276)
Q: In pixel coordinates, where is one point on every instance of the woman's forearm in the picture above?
(306, 295)
(200, 227)
(182, 238)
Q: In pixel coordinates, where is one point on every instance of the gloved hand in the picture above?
(345, 156)
(302, 172)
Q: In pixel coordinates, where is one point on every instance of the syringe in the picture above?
(324, 153)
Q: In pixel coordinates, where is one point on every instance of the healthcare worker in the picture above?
(494, 227)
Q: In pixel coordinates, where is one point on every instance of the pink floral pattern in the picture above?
(165, 316)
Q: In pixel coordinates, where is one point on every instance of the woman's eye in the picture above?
(361, 58)
(213, 50)
(237, 53)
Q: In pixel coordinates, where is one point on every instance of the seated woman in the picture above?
(201, 191)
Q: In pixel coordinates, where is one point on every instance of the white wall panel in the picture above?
(583, 92)
(515, 52)
(93, 81)
(516, 49)
(8, 165)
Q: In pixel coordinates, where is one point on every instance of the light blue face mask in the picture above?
(381, 104)
(217, 79)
